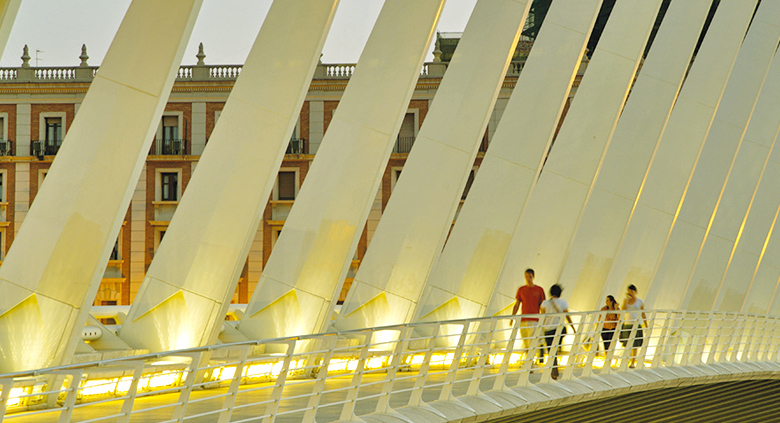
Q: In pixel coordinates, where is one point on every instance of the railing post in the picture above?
(322, 374)
(232, 393)
(132, 391)
(276, 393)
(484, 354)
(184, 395)
(415, 398)
(70, 399)
(348, 410)
(452, 372)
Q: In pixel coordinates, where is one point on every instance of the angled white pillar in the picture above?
(461, 282)
(419, 214)
(666, 178)
(8, 11)
(53, 269)
(544, 229)
(187, 289)
(639, 130)
(698, 207)
(310, 258)
(739, 228)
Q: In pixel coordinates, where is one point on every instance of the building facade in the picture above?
(38, 104)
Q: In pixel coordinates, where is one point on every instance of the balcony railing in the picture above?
(295, 146)
(403, 144)
(42, 148)
(199, 72)
(6, 147)
(378, 371)
(176, 147)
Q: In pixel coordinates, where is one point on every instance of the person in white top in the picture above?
(554, 305)
(634, 308)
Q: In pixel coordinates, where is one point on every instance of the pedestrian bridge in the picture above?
(449, 371)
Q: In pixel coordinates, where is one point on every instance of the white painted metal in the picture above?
(310, 258)
(698, 207)
(553, 208)
(54, 267)
(418, 215)
(478, 377)
(666, 179)
(461, 282)
(8, 11)
(608, 207)
(187, 289)
(740, 225)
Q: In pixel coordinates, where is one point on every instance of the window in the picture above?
(115, 252)
(169, 186)
(468, 184)
(2, 127)
(2, 187)
(170, 127)
(53, 129)
(286, 185)
(406, 134)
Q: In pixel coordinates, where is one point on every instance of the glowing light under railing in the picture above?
(514, 359)
(375, 363)
(123, 385)
(98, 387)
(227, 373)
(165, 378)
(15, 397)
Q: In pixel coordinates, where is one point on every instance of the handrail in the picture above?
(426, 360)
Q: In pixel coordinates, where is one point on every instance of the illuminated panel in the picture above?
(187, 289)
(745, 209)
(419, 214)
(462, 280)
(699, 205)
(647, 111)
(663, 186)
(54, 267)
(310, 258)
(543, 231)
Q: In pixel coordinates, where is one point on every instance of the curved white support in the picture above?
(552, 210)
(641, 125)
(309, 261)
(54, 267)
(643, 237)
(419, 214)
(187, 289)
(8, 11)
(462, 280)
(686, 275)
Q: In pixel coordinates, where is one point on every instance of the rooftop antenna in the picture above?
(36, 56)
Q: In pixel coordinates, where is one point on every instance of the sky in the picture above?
(54, 30)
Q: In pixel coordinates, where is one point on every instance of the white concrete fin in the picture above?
(475, 250)
(62, 248)
(687, 276)
(418, 216)
(207, 242)
(608, 206)
(321, 232)
(642, 238)
(543, 232)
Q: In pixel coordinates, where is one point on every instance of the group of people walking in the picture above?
(531, 300)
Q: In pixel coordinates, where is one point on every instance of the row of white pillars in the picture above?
(597, 217)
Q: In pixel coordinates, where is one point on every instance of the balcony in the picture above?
(403, 144)
(6, 147)
(295, 146)
(42, 148)
(176, 147)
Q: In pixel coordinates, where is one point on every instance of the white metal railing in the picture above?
(336, 376)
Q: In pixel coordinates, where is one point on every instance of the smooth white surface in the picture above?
(418, 215)
(311, 256)
(54, 267)
(666, 179)
(684, 260)
(462, 280)
(553, 208)
(8, 11)
(638, 131)
(189, 284)
(740, 211)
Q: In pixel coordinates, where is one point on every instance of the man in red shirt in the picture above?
(531, 297)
